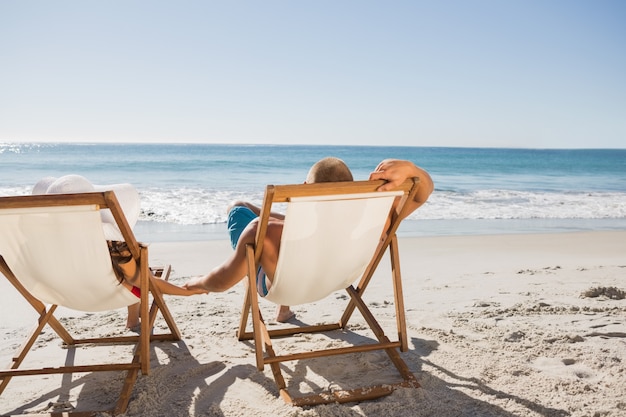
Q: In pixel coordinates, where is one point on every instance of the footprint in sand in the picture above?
(565, 368)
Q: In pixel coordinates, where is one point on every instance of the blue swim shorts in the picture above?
(239, 217)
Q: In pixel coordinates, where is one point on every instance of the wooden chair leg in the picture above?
(394, 255)
(254, 305)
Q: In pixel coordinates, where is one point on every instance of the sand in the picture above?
(503, 325)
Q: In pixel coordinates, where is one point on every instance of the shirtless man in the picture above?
(243, 221)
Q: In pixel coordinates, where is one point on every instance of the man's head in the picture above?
(329, 169)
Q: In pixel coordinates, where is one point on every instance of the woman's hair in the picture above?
(329, 169)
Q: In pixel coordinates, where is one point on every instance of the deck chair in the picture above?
(334, 234)
(54, 252)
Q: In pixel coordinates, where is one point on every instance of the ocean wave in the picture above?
(508, 204)
(190, 205)
(197, 206)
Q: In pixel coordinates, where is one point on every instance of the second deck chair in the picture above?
(54, 252)
(334, 234)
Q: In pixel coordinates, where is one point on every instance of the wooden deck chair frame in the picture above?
(140, 358)
(262, 336)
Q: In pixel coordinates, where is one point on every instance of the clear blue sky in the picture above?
(505, 73)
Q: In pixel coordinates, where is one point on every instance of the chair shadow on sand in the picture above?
(100, 389)
(436, 396)
(181, 386)
(472, 406)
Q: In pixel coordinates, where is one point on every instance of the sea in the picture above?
(185, 188)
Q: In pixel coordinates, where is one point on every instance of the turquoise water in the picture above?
(185, 188)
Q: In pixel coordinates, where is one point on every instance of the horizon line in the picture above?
(9, 143)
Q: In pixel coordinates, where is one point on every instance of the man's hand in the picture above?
(394, 171)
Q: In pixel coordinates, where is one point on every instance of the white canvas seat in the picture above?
(40, 241)
(321, 228)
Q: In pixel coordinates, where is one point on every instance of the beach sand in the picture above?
(503, 325)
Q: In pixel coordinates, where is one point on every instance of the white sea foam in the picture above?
(197, 206)
(194, 206)
(190, 205)
(506, 204)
